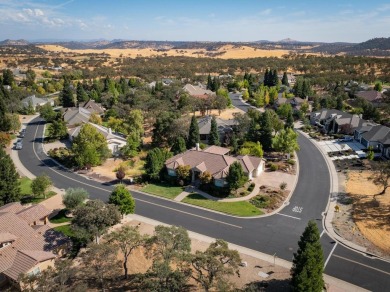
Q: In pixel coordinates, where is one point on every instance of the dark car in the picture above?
(22, 133)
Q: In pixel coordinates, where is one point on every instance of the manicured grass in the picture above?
(65, 229)
(162, 190)
(47, 129)
(242, 208)
(25, 185)
(60, 217)
(34, 200)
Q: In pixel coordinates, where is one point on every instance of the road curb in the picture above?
(327, 215)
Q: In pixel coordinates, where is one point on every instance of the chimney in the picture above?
(109, 131)
(197, 147)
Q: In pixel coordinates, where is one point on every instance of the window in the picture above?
(36, 271)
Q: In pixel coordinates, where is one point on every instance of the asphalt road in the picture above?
(277, 234)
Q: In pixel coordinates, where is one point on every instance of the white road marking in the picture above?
(188, 213)
(289, 216)
(367, 266)
(297, 209)
(322, 233)
(331, 252)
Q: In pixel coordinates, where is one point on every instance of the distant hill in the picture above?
(8, 42)
(373, 47)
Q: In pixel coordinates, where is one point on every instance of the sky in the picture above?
(195, 20)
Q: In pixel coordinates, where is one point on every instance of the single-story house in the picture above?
(199, 91)
(115, 141)
(214, 160)
(76, 116)
(372, 96)
(93, 107)
(336, 121)
(36, 101)
(27, 244)
(295, 102)
(224, 127)
(377, 137)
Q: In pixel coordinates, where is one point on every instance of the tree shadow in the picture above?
(274, 285)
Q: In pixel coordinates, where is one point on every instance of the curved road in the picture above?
(275, 234)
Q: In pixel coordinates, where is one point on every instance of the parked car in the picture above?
(19, 145)
(22, 133)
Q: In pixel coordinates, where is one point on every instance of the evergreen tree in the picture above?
(179, 146)
(215, 85)
(82, 95)
(236, 176)
(155, 162)
(253, 133)
(9, 180)
(306, 88)
(285, 79)
(66, 96)
(308, 262)
(234, 143)
(316, 104)
(214, 135)
(289, 121)
(275, 79)
(209, 83)
(340, 103)
(266, 131)
(298, 87)
(8, 77)
(193, 134)
(5, 123)
(266, 77)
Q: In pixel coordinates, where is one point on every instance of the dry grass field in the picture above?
(225, 52)
(372, 218)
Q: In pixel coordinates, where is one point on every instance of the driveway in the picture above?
(336, 146)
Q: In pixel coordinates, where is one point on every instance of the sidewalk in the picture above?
(332, 284)
(330, 210)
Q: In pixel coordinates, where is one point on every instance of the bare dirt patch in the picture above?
(226, 114)
(361, 219)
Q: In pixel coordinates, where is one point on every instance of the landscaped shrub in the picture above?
(274, 167)
(283, 186)
(251, 187)
(261, 201)
(62, 155)
(291, 162)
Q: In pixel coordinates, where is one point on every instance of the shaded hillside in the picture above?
(9, 42)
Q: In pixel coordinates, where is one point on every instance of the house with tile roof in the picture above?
(372, 96)
(27, 244)
(214, 160)
(115, 141)
(93, 107)
(198, 91)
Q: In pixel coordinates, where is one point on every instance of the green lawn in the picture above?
(65, 229)
(25, 185)
(242, 208)
(34, 200)
(47, 129)
(60, 217)
(162, 190)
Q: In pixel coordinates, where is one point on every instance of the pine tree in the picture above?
(340, 104)
(209, 83)
(214, 136)
(266, 77)
(275, 79)
(266, 131)
(193, 134)
(5, 123)
(66, 96)
(285, 79)
(236, 176)
(9, 180)
(289, 120)
(81, 94)
(298, 87)
(308, 262)
(179, 146)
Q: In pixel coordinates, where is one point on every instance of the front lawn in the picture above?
(35, 200)
(162, 190)
(241, 208)
(60, 217)
(25, 185)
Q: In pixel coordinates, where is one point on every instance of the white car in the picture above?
(19, 146)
